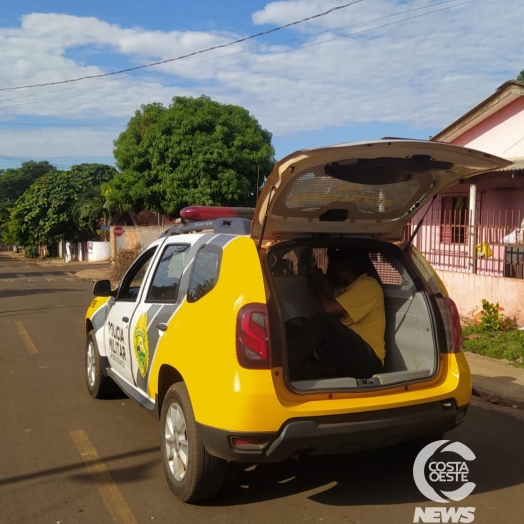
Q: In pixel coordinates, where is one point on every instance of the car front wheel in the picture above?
(191, 472)
(98, 384)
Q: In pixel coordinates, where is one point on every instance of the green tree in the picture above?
(13, 183)
(43, 214)
(196, 151)
(93, 205)
(520, 78)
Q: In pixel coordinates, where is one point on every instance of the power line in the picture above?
(269, 31)
(265, 46)
(265, 56)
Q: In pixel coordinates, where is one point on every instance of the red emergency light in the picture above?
(214, 213)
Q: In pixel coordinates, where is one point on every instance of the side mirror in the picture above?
(102, 288)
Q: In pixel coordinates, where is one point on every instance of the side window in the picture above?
(164, 287)
(206, 269)
(388, 270)
(134, 277)
(295, 260)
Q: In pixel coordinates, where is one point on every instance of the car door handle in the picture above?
(125, 320)
(162, 327)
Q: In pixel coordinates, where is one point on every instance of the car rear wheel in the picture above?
(98, 384)
(191, 472)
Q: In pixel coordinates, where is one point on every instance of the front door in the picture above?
(158, 304)
(116, 334)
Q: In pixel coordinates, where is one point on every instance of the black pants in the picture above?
(342, 353)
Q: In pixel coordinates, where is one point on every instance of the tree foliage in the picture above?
(196, 151)
(93, 205)
(520, 78)
(13, 183)
(43, 214)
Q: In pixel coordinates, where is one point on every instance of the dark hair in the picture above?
(353, 258)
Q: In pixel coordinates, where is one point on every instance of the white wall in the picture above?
(98, 251)
(501, 134)
(468, 290)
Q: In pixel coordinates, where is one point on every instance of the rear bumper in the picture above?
(336, 433)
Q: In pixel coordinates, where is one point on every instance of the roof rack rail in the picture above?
(228, 220)
(214, 212)
(228, 226)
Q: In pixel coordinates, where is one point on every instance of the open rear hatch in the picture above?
(361, 194)
(364, 188)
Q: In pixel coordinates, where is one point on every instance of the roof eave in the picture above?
(501, 97)
(516, 167)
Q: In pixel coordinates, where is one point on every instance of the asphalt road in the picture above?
(67, 458)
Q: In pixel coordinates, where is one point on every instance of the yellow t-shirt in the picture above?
(364, 302)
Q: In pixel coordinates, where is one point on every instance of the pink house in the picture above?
(473, 232)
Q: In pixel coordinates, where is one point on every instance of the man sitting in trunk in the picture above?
(346, 337)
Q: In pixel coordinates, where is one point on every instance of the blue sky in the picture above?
(363, 72)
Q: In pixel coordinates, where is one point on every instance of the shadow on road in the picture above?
(379, 477)
(383, 476)
(12, 293)
(80, 473)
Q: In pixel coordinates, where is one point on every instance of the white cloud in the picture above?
(422, 73)
(44, 143)
(61, 31)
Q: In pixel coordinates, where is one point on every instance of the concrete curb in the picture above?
(93, 274)
(497, 381)
(54, 262)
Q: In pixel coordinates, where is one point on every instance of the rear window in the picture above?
(388, 273)
(206, 269)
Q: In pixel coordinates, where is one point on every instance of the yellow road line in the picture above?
(26, 338)
(113, 499)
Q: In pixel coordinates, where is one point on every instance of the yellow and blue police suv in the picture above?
(195, 332)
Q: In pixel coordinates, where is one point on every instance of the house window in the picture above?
(454, 219)
(514, 266)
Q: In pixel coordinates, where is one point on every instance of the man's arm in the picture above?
(326, 302)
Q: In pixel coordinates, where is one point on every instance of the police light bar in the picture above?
(213, 213)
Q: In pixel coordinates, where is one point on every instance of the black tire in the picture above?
(201, 475)
(98, 384)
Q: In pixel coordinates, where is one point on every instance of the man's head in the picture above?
(347, 264)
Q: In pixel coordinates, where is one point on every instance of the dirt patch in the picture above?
(499, 401)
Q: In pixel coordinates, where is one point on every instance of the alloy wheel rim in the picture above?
(90, 363)
(176, 444)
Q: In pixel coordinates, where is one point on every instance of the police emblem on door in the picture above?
(141, 345)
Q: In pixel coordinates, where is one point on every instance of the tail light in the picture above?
(253, 347)
(249, 443)
(451, 319)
